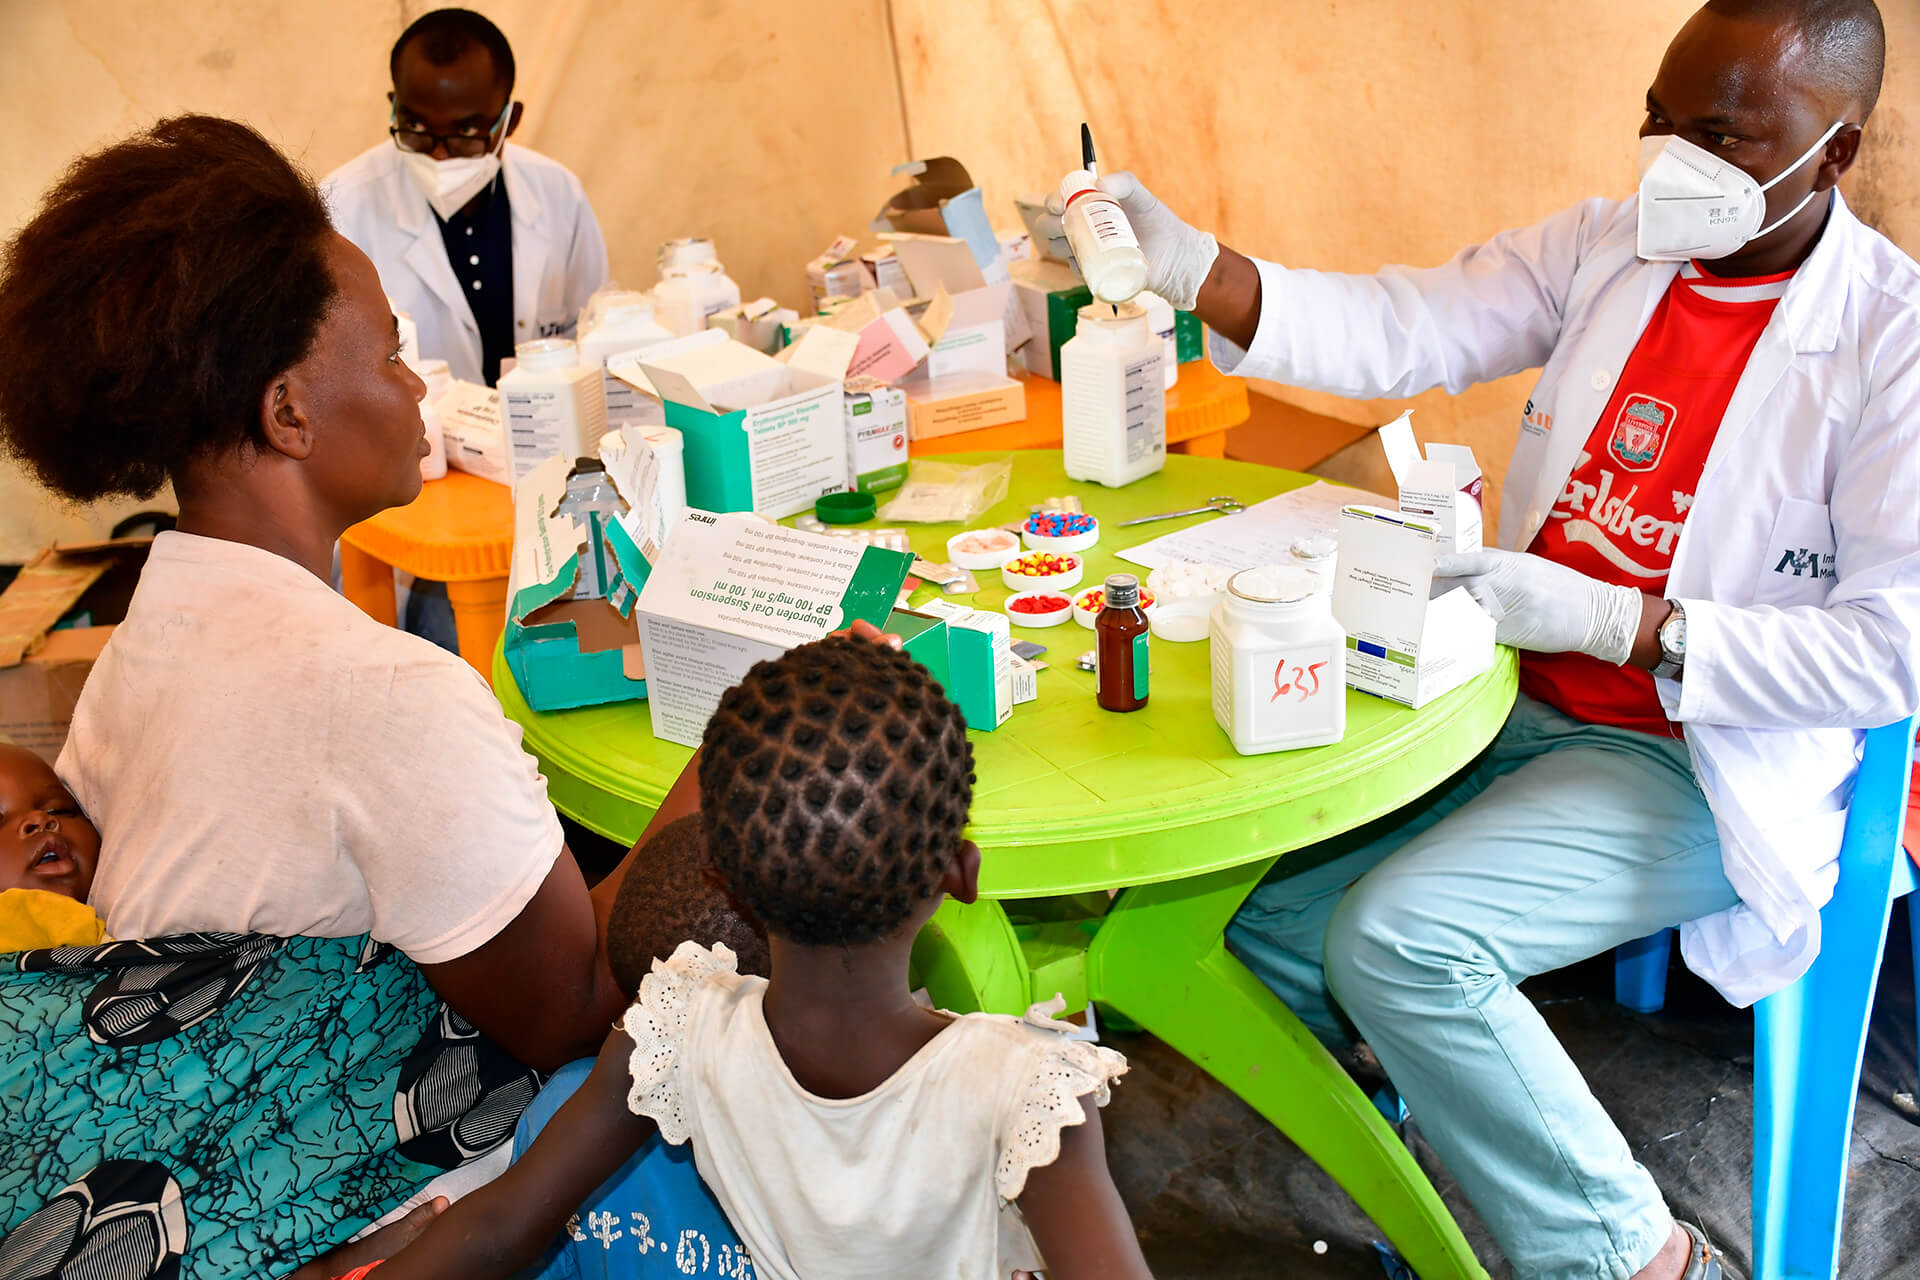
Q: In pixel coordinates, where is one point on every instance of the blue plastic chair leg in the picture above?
(1808, 1039)
(1640, 972)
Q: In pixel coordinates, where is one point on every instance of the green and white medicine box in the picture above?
(728, 591)
(979, 662)
(1050, 295)
(876, 418)
(585, 537)
(1401, 644)
(923, 638)
(762, 434)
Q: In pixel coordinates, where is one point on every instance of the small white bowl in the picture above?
(1051, 618)
(1001, 546)
(1184, 620)
(1063, 581)
(1087, 617)
(1072, 542)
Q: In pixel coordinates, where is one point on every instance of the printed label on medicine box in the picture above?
(876, 439)
(1444, 486)
(732, 590)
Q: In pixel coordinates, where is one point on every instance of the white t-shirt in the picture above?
(916, 1177)
(260, 755)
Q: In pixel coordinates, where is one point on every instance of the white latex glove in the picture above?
(1178, 257)
(1544, 606)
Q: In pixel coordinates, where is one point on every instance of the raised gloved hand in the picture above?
(1544, 606)
(1178, 257)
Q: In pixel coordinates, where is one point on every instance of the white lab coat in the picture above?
(559, 257)
(1799, 565)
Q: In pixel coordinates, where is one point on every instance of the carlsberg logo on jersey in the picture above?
(1603, 517)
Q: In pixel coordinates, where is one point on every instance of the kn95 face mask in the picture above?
(448, 184)
(1693, 204)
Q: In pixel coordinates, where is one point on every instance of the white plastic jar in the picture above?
(684, 252)
(434, 374)
(1113, 402)
(553, 403)
(1279, 663)
(1160, 318)
(624, 323)
(1318, 554)
(688, 293)
(1102, 239)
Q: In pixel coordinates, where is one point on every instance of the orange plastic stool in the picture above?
(458, 531)
(1201, 408)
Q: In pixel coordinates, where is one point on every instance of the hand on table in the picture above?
(1178, 256)
(1544, 606)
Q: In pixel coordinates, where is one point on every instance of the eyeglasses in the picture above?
(466, 143)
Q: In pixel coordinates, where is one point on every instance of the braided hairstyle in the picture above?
(835, 782)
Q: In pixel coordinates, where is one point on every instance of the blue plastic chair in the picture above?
(1809, 1038)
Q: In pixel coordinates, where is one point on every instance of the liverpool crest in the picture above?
(1640, 432)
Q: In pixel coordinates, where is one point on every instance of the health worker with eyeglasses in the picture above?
(484, 244)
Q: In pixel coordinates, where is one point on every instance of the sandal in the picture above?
(1704, 1262)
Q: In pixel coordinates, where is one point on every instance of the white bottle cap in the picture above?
(1272, 584)
(547, 353)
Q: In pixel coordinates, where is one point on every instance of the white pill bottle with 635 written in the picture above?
(1279, 663)
(1102, 239)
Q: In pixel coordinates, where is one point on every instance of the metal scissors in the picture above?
(1222, 503)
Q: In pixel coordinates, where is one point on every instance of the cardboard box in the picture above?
(1401, 644)
(876, 436)
(967, 332)
(730, 590)
(837, 272)
(1189, 337)
(43, 666)
(883, 271)
(584, 544)
(1015, 246)
(891, 343)
(943, 264)
(979, 662)
(1032, 208)
(1444, 486)
(944, 202)
(760, 324)
(474, 426)
(1049, 295)
(761, 434)
(1026, 679)
(963, 402)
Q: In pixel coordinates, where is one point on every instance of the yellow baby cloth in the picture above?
(34, 918)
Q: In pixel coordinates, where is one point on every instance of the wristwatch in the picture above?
(1673, 644)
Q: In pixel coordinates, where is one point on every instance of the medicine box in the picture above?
(1402, 645)
(762, 434)
(474, 426)
(962, 402)
(876, 436)
(837, 272)
(923, 638)
(1445, 486)
(942, 264)
(891, 344)
(584, 541)
(1050, 295)
(943, 201)
(979, 662)
(732, 590)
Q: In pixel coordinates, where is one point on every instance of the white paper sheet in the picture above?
(1262, 534)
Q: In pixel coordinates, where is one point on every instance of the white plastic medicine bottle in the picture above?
(1102, 239)
(624, 323)
(1113, 400)
(687, 294)
(553, 404)
(1279, 663)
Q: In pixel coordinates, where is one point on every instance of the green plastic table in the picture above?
(1072, 800)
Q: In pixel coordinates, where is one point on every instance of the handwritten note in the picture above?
(1262, 534)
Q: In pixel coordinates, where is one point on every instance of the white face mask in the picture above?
(1695, 205)
(448, 184)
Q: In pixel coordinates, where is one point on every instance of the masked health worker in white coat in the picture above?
(483, 243)
(1710, 558)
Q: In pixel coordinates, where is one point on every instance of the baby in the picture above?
(48, 851)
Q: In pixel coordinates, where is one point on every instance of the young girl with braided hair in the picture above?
(846, 1130)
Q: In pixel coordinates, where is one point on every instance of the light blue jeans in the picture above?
(1563, 840)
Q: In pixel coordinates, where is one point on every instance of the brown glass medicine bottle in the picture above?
(1120, 646)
